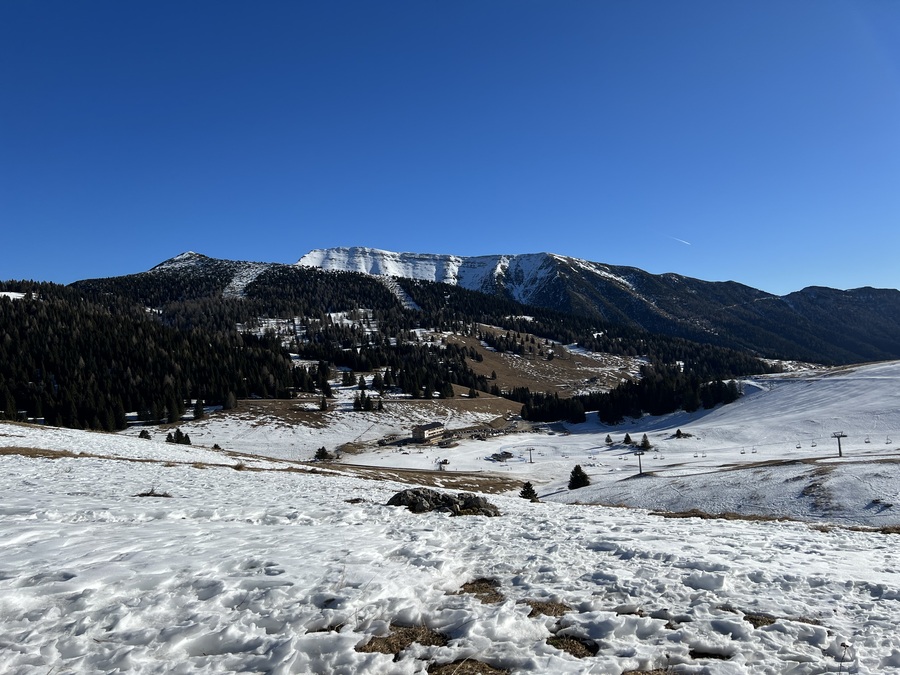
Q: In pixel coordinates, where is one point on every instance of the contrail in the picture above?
(681, 240)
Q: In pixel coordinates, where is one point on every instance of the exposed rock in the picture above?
(422, 500)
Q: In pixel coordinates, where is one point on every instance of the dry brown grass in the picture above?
(485, 590)
(580, 649)
(450, 480)
(465, 667)
(819, 527)
(402, 637)
(758, 620)
(567, 373)
(728, 515)
(38, 452)
(287, 412)
(546, 608)
(886, 529)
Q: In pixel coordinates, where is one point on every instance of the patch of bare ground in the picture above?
(758, 620)
(41, 453)
(546, 608)
(402, 637)
(465, 667)
(485, 590)
(288, 412)
(434, 407)
(451, 480)
(568, 372)
(728, 515)
(580, 649)
(887, 529)
(38, 452)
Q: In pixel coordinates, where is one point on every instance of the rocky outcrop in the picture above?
(423, 500)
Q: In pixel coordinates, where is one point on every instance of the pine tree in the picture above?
(578, 478)
(198, 410)
(628, 440)
(645, 443)
(528, 492)
(144, 434)
(609, 440)
(322, 454)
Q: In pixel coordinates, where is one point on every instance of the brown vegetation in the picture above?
(485, 590)
(402, 637)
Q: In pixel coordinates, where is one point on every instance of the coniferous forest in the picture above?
(155, 343)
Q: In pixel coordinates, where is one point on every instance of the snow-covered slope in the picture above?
(267, 570)
(771, 453)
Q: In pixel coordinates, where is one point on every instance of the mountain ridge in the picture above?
(797, 325)
(814, 324)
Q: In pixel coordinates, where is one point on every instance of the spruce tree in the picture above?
(528, 492)
(645, 443)
(578, 478)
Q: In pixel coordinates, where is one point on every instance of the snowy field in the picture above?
(741, 458)
(253, 566)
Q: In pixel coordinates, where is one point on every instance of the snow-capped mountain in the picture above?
(800, 324)
(531, 278)
(814, 324)
(521, 277)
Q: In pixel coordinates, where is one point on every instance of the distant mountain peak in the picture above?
(185, 259)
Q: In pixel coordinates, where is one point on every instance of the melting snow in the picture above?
(270, 571)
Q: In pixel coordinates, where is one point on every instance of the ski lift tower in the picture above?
(839, 435)
(639, 453)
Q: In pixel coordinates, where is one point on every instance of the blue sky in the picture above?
(752, 141)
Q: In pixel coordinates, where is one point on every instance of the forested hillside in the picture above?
(156, 343)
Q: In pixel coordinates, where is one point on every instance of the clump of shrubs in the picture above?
(178, 437)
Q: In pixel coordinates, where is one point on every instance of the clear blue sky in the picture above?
(753, 141)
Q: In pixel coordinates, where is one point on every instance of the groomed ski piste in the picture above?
(255, 564)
